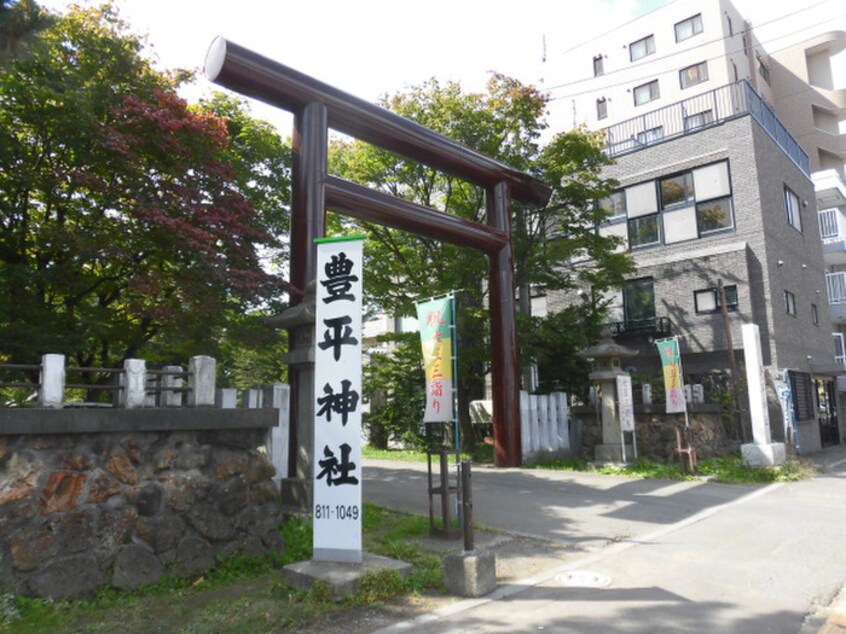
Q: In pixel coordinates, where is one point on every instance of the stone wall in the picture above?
(85, 510)
(656, 431)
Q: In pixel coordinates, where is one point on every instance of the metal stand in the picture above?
(685, 449)
(446, 487)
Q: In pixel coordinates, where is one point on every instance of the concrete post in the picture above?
(761, 451)
(134, 383)
(278, 396)
(251, 399)
(226, 398)
(647, 394)
(169, 398)
(201, 381)
(51, 391)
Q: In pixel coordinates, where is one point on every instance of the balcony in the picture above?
(697, 113)
(660, 326)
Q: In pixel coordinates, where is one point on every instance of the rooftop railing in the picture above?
(697, 113)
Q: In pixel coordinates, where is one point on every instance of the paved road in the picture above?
(679, 557)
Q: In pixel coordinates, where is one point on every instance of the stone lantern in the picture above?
(607, 355)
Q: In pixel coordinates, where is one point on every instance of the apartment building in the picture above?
(716, 203)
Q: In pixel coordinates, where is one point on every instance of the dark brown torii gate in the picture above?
(317, 107)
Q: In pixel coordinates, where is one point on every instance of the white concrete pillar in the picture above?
(552, 413)
(758, 411)
(171, 398)
(134, 383)
(51, 390)
(226, 398)
(698, 393)
(201, 381)
(525, 425)
(646, 388)
(278, 396)
(563, 420)
(251, 399)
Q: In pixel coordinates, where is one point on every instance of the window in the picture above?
(763, 70)
(839, 348)
(676, 190)
(639, 302)
(598, 66)
(642, 48)
(688, 28)
(828, 224)
(714, 215)
(790, 303)
(815, 315)
(791, 205)
(614, 205)
(699, 120)
(692, 75)
(653, 135)
(708, 300)
(646, 92)
(644, 231)
(601, 108)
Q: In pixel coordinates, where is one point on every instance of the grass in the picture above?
(240, 594)
(728, 470)
(483, 453)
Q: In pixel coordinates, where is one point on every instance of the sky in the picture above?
(370, 48)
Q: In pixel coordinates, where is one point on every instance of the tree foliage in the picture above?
(505, 123)
(129, 221)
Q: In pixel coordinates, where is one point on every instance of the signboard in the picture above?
(435, 318)
(668, 349)
(625, 402)
(337, 510)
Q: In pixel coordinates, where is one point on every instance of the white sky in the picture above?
(374, 47)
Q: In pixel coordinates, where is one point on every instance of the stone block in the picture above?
(135, 567)
(342, 578)
(68, 578)
(612, 453)
(471, 573)
(193, 555)
(760, 455)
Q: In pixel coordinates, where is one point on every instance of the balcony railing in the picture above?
(702, 111)
(651, 326)
(836, 286)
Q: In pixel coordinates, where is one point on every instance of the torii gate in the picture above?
(317, 107)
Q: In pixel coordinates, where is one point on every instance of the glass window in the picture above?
(676, 190)
(639, 300)
(614, 205)
(688, 28)
(642, 48)
(792, 206)
(714, 215)
(692, 75)
(598, 66)
(708, 300)
(653, 135)
(644, 231)
(646, 92)
(790, 303)
(698, 120)
(601, 108)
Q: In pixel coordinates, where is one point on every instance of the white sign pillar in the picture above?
(761, 451)
(337, 509)
(51, 391)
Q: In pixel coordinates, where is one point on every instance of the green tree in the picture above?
(505, 123)
(128, 220)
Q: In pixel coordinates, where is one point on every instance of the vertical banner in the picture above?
(668, 349)
(625, 402)
(337, 389)
(435, 318)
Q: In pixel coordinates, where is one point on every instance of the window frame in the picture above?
(695, 21)
(601, 109)
(598, 65)
(701, 72)
(732, 305)
(648, 47)
(640, 286)
(710, 201)
(687, 188)
(793, 211)
(789, 303)
(631, 223)
(653, 94)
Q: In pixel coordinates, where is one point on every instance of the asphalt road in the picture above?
(671, 557)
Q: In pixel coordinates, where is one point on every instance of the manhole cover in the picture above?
(583, 579)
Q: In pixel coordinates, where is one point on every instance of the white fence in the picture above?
(544, 422)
